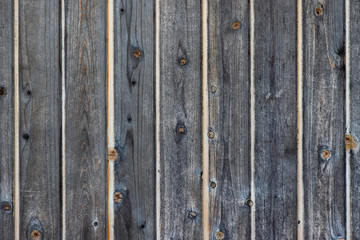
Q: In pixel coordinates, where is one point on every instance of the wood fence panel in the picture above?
(229, 114)
(324, 119)
(6, 120)
(180, 119)
(275, 119)
(40, 119)
(134, 119)
(86, 179)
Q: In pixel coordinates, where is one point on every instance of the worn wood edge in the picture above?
(16, 124)
(252, 117)
(205, 122)
(63, 120)
(347, 121)
(157, 120)
(110, 117)
(300, 124)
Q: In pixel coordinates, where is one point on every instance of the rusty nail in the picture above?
(349, 142)
(137, 53)
(318, 11)
(183, 62)
(213, 89)
(118, 197)
(213, 184)
(249, 202)
(236, 25)
(326, 154)
(6, 206)
(112, 154)
(192, 214)
(220, 235)
(211, 134)
(181, 130)
(35, 234)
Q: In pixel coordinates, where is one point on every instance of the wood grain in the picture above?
(180, 119)
(40, 108)
(86, 119)
(6, 120)
(275, 119)
(134, 119)
(324, 123)
(229, 106)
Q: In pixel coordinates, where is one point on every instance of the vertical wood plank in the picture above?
(134, 203)
(180, 119)
(6, 120)
(275, 119)
(352, 143)
(229, 105)
(39, 94)
(324, 123)
(86, 178)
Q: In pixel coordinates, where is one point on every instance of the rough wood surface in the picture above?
(180, 119)
(229, 112)
(355, 116)
(40, 109)
(86, 178)
(275, 119)
(134, 119)
(6, 120)
(324, 123)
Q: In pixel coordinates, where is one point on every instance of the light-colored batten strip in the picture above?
(16, 124)
(205, 122)
(300, 184)
(110, 117)
(157, 117)
(63, 120)
(252, 116)
(347, 118)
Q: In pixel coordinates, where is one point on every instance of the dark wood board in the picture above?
(275, 119)
(6, 120)
(229, 118)
(134, 66)
(180, 119)
(324, 119)
(86, 179)
(40, 118)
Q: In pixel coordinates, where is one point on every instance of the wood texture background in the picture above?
(249, 43)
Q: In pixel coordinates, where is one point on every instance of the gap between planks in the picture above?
(63, 120)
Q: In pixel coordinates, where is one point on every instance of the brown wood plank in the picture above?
(180, 119)
(229, 114)
(324, 122)
(275, 119)
(6, 120)
(134, 51)
(86, 178)
(40, 109)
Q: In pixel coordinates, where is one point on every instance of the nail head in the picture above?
(236, 25)
(35, 235)
(213, 89)
(211, 134)
(213, 184)
(326, 154)
(118, 197)
(220, 235)
(112, 154)
(137, 53)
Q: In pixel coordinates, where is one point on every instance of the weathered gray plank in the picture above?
(229, 114)
(134, 119)
(6, 120)
(275, 119)
(86, 178)
(40, 110)
(324, 123)
(180, 119)
(353, 139)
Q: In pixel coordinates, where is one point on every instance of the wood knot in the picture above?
(349, 142)
(118, 197)
(112, 155)
(220, 235)
(35, 235)
(2, 91)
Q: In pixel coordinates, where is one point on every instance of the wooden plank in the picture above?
(134, 120)
(275, 119)
(6, 120)
(86, 178)
(324, 123)
(180, 119)
(40, 110)
(354, 130)
(229, 112)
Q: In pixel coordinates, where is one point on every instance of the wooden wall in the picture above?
(186, 119)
